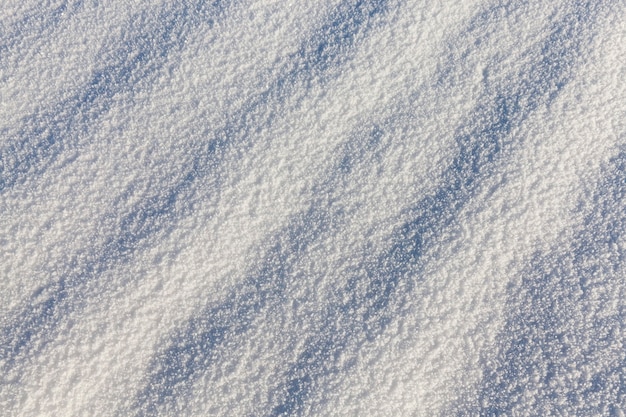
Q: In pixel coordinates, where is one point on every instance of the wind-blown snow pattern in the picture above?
(326, 208)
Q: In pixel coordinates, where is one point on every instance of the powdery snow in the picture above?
(327, 208)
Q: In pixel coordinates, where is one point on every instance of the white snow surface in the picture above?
(312, 208)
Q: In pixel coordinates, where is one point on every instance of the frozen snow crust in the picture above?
(314, 208)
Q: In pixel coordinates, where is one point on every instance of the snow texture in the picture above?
(325, 208)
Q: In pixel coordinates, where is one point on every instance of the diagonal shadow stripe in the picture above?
(561, 351)
(375, 298)
(174, 371)
(34, 325)
(145, 52)
(193, 348)
(133, 67)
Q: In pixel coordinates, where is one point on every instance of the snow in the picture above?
(271, 208)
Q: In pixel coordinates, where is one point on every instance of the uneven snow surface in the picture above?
(312, 208)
